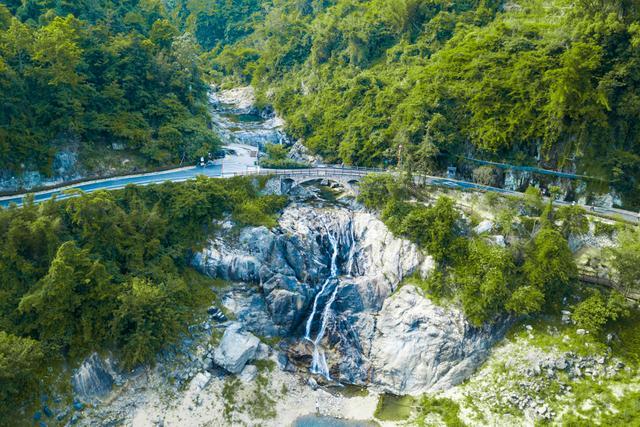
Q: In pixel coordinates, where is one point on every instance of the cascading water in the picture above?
(352, 249)
(319, 361)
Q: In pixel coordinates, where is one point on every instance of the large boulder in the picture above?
(420, 347)
(236, 348)
(94, 378)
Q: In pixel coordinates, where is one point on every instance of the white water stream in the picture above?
(319, 362)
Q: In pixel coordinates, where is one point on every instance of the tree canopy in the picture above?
(95, 74)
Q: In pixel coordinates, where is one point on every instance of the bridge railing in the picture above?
(318, 171)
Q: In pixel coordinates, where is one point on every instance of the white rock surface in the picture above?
(236, 348)
(240, 97)
(483, 227)
(421, 347)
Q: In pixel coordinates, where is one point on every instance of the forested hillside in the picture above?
(107, 271)
(368, 82)
(95, 73)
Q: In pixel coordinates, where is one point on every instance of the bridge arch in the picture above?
(348, 182)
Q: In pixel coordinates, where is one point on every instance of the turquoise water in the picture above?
(318, 421)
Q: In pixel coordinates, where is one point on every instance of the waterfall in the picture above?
(352, 249)
(319, 362)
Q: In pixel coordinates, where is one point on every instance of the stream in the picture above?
(238, 122)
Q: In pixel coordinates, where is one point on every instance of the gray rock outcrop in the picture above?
(420, 346)
(236, 348)
(94, 378)
(400, 342)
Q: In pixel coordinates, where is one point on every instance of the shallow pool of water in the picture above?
(319, 421)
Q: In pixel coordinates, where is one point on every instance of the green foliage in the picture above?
(625, 259)
(604, 229)
(533, 201)
(530, 275)
(278, 158)
(70, 302)
(109, 270)
(20, 362)
(574, 221)
(549, 265)
(435, 228)
(148, 316)
(547, 81)
(484, 278)
(376, 190)
(595, 311)
(447, 409)
(97, 74)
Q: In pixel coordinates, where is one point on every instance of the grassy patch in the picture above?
(446, 409)
(229, 393)
(394, 408)
(265, 365)
(262, 405)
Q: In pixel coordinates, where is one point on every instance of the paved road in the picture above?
(241, 161)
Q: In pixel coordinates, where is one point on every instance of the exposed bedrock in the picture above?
(373, 333)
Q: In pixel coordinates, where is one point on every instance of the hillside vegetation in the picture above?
(381, 81)
(107, 271)
(94, 74)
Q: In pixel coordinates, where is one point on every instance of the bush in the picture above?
(595, 312)
(376, 190)
(149, 315)
(604, 229)
(549, 265)
(20, 362)
(436, 229)
(446, 408)
(277, 159)
(283, 164)
(484, 277)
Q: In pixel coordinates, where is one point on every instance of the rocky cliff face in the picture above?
(420, 346)
(398, 342)
(238, 120)
(65, 168)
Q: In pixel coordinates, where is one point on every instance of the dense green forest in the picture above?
(536, 273)
(107, 271)
(96, 73)
(417, 82)
(379, 81)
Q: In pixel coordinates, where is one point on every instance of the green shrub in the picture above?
(595, 311)
(21, 360)
(376, 190)
(447, 409)
(604, 229)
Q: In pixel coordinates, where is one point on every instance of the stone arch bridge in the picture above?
(347, 177)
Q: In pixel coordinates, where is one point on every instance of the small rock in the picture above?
(312, 383)
(47, 411)
(483, 227)
(248, 374)
(581, 332)
(208, 363)
(62, 415)
(529, 328)
(201, 380)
